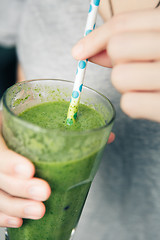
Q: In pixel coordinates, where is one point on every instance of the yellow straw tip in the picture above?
(69, 121)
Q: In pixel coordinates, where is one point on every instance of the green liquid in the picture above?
(53, 116)
(70, 179)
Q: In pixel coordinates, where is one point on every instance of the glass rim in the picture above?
(66, 132)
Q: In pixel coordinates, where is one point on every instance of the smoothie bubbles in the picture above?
(79, 79)
(67, 157)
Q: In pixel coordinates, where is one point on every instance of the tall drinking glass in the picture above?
(67, 160)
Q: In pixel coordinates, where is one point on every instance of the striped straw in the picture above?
(79, 79)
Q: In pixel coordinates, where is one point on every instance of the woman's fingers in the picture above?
(21, 198)
(97, 41)
(134, 47)
(16, 176)
(129, 47)
(139, 83)
(20, 193)
(34, 188)
(111, 138)
(141, 105)
(101, 59)
(21, 208)
(14, 164)
(136, 77)
(8, 221)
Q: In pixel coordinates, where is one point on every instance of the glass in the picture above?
(67, 160)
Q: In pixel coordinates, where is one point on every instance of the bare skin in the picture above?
(21, 194)
(129, 43)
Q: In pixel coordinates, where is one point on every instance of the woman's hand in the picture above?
(21, 194)
(130, 43)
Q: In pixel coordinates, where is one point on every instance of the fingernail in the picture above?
(33, 212)
(22, 170)
(12, 223)
(38, 193)
(77, 50)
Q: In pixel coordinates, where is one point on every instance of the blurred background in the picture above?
(8, 67)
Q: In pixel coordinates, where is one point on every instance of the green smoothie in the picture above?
(65, 157)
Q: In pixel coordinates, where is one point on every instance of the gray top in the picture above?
(124, 201)
(10, 15)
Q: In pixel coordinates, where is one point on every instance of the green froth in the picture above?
(53, 115)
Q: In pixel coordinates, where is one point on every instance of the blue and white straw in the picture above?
(79, 79)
